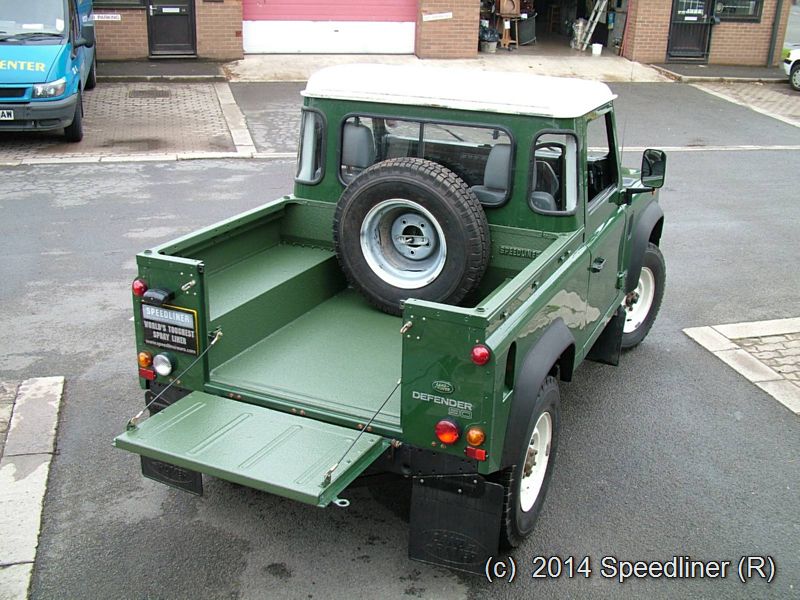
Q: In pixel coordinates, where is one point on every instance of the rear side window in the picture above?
(310, 159)
(554, 174)
(481, 156)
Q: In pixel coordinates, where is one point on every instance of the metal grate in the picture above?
(149, 94)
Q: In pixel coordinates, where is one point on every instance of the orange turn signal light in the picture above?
(145, 359)
(475, 436)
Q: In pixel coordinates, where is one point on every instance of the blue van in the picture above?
(47, 60)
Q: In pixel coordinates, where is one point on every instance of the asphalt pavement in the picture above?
(672, 453)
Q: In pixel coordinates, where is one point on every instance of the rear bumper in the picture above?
(40, 116)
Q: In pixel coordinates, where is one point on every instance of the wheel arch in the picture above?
(648, 228)
(554, 351)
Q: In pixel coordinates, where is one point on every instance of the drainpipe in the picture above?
(776, 23)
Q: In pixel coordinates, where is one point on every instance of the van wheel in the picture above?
(527, 481)
(411, 228)
(74, 131)
(91, 79)
(642, 304)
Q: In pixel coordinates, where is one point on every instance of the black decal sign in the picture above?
(170, 328)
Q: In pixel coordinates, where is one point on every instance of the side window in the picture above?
(601, 170)
(554, 173)
(310, 159)
(74, 20)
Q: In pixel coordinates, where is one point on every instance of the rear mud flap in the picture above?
(455, 521)
(287, 455)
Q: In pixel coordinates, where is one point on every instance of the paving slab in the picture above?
(14, 581)
(163, 69)
(33, 426)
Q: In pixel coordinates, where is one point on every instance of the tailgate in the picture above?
(254, 446)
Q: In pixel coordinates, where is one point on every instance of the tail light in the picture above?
(480, 355)
(139, 287)
(447, 431)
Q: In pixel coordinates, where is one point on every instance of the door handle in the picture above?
(152, 10)
(597, 265)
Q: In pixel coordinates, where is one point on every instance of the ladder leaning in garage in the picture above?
(599, 8)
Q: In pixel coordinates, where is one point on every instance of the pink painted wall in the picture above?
(332, 10)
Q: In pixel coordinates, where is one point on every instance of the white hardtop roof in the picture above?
(459, 88)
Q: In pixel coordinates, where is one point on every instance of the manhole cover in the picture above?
(149, 94)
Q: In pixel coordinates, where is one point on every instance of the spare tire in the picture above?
(411, 228)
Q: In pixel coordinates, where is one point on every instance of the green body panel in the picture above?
(254, 446)
(298, 344)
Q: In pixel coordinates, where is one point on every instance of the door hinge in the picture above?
(621, 277)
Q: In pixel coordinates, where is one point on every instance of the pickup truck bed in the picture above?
(338, 337)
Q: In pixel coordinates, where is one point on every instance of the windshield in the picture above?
(32, 19)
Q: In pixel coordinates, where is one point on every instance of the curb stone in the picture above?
(24, 469)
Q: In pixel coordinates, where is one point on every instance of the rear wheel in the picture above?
(526, 482)
(642, 304)
(74, 131)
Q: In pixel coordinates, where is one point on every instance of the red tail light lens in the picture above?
(480, 355)
(447, 431)
(139, 287)
(148, 374)
(475, 453)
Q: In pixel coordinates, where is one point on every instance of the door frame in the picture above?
(192, 7)
(703, 19)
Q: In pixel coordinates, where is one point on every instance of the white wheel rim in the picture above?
(637, 304)
(796, 78)
(403, 243)
(536, 459)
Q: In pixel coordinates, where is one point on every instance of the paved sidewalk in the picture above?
(143, 121)
(567, 63)
(8, 390)
(778, 101)
(767, 353)
(689, 73)
(24, 468)
(160, 70)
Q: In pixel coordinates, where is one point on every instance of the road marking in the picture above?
(767, 113)
(735, 148)
(721, 341)
(24, 469)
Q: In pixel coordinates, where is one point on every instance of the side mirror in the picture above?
(87, 37)
(654, 166)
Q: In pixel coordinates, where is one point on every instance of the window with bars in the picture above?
(738, 10)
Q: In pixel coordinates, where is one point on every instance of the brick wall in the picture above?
(219, 29)
(219, 32)
(647, 30)
(124, 39)
(448, 38)
(748, 43)
(732, 43)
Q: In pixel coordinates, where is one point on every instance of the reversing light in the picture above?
(480, 355)
(475, 436)
(145, 359)
(162, 364)
(139, 287)
(447, 431)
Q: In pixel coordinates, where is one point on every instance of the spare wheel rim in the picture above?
(403, 243)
